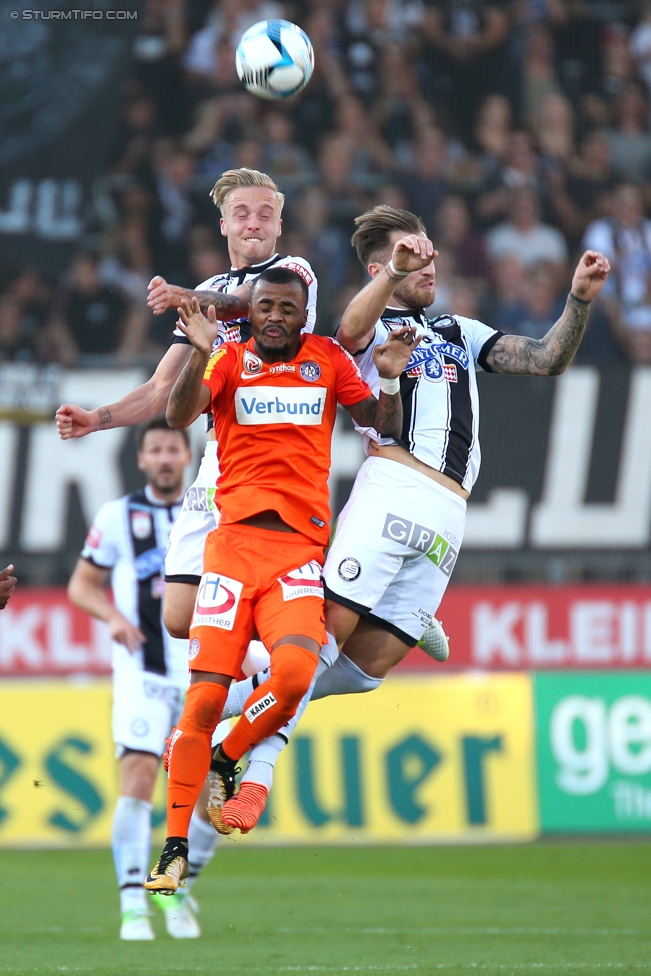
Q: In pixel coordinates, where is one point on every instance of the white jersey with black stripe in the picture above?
(238, 330)
(439, 389)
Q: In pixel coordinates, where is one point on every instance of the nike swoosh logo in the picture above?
(177, 806)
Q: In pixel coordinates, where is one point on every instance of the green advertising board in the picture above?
(594, 750)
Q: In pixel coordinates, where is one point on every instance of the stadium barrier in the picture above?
(458, 758)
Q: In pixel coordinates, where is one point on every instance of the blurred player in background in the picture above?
(7, 585)
(250, 205)
(150, 669)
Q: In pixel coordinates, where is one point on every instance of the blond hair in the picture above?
(371, 239)
(233, 179)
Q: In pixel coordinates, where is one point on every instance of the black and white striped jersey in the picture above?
(238, 330)
(129, 537)
(439, 389)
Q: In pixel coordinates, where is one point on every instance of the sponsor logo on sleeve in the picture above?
(280, 405)
(305, 581)
(260, 707)
(194, 649)
(422, 539)
(302, 271)
(349, 569)
(310, 371)
(217, 600)
(141, 524)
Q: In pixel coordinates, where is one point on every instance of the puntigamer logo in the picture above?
(280, 405)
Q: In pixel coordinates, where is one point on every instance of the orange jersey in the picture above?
(274, 429)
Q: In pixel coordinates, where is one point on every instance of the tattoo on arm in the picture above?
(104, 417)
(226, 306)
(547, 356)
(385, 414)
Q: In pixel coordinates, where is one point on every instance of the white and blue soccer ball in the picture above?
(274, 59)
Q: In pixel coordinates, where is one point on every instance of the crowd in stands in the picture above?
(519, 130)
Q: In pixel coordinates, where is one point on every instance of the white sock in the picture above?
(239, 691)
(263, 757)
(344, 678)
(131, 841)
(202, 842)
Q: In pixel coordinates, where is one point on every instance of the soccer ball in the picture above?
(274, 59)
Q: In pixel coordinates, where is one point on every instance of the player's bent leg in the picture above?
(374, 650)
(178, 604)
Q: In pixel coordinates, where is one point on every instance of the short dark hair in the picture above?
(160, 423)
(373, 228)
(282, 276)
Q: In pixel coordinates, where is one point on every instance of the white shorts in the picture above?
(199, 515)
(395, 547)
(145, 707)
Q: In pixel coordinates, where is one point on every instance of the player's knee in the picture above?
(292, 670)
(203, 707)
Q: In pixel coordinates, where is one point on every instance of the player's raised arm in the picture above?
(410, 253)
(142, 404)
(189, 397)
(162, 296)
(553, 353)
(391, 358)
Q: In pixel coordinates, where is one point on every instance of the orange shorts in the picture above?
(254, 580)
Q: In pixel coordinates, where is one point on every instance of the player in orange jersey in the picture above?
(274, 403)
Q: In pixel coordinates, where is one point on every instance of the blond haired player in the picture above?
(250, 205)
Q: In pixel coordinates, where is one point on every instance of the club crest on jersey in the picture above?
(252, 363)
(141, 524)
(310, 371)
(305, 581)
(217, 601)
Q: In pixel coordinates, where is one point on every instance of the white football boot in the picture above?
(435, 641)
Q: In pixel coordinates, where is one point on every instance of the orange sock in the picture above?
(273, 703)
(190, 751)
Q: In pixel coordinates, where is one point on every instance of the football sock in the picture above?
(191, 752)
(344, 678)
(130, 840)
(240, 691)
(274, 703)
(202, 842)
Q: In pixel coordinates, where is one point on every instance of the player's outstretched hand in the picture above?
(122, 631)
(7, 585)
(201, 331)
(590, 275)
(411, 253)
(162, 295)
(392, 357)
(74, 421)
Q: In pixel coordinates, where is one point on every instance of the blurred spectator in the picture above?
(625, 239)
(524, 236)
(454, 232)
(174, 184)
(582, 194)
(538, 78)
(509, 294)
(91, 320)
(466, 46)
(640, 45)
(553, 126)
(630, 139)
(288, 163)
(427, 179)
(542, 304)
(521, 168)
(19, 341)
